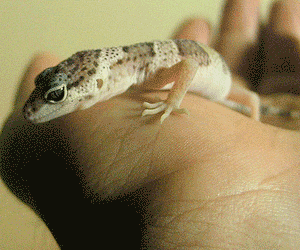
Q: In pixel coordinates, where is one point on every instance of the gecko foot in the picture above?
(155, 108)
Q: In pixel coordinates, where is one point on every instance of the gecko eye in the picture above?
(56, 95)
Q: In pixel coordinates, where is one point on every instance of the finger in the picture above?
(281, 48)
(285, 18)
(195, 29)
(239, 29)
(37, 65)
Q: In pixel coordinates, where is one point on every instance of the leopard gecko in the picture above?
(92, 76)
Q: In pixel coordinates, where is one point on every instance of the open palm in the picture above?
(213, 179)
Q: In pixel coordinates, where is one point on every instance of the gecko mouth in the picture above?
(44, 117)
(49, 111)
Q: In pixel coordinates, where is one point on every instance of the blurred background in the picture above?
(63, 28)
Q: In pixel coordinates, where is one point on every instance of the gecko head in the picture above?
(48, 97)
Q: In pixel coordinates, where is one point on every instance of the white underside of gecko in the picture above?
(93, 76)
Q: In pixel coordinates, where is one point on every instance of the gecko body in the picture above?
(92, 76)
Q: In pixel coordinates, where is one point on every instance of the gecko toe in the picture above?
(152, 105)
(154, 108)
(165, 115)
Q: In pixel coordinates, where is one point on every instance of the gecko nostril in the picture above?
(27, 114)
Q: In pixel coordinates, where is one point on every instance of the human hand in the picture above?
(265, 58)
(215, 179)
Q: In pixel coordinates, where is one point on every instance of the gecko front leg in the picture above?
(183, 74)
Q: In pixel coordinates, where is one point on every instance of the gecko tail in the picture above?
(276, 111)
(264, 110)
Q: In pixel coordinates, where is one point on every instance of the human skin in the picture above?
(215, 179)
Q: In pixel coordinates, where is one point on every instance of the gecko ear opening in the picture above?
(56, 95)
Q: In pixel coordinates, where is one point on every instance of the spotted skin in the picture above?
(92, 76)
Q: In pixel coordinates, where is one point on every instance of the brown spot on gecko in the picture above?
(84, 68)
(120, 62)
(70, 61)
(74, 69)
(97, 53)
(125, 49)
(91, 72)
(89, 97)
(99, 83)
(151, 49)
(189, 48)
(96, 64)
(139, 50)
(76, 83)
(81, 55)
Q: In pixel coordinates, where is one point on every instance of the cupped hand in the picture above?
(213, 179)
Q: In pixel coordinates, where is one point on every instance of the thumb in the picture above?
(37, 65)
